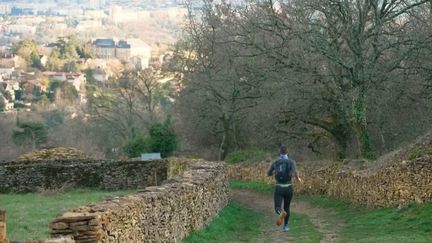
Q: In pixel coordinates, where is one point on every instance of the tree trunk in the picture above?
(359, 113)
(227, 138)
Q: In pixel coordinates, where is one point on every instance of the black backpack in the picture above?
(282, 170)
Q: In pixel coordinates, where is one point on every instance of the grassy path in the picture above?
(307, 224)
(340, 221)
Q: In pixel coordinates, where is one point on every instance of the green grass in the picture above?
(28, 215)
(234, 224)
(302, 229)
(247, 156)
(252, 185)
(412, 223)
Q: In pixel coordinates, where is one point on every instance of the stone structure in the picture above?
(31, 176)
(3, 236)
(404, 182)
(166, 213)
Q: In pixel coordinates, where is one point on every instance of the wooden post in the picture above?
(3, 238)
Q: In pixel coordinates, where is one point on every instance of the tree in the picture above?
(127, 106)
(27, 49)
(62, 90)
(325, 68)
(30, 133)
(221, 87)
(55, 63)
(90, 77)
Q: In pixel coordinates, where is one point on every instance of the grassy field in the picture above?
(234, 224)
(412, 223)
(28, 215)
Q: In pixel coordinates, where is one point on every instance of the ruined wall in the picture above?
(398, 183)
(166, 213)
(32, 176)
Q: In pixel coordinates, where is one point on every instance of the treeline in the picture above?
(339, 78)
(65, 55)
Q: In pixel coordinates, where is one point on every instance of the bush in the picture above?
(136, 146)
(162, 138)
(247, 155)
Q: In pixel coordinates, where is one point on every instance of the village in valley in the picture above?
(45, 45)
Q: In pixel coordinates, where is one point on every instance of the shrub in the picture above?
(136, 146)
(162, 138)
(247, 155)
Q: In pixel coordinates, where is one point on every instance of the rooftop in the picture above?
(104, 43)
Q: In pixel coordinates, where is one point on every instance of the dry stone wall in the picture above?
(32, 176)
(166, 213)
(3, 236)
(400, 183)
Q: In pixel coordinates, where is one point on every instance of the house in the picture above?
(10, 87)
(100, 75)
(78, 80)
(43, 60)
(140, 53)
(140, 62)
(6, 73)
(139, 48)
(7, 105)
(123, 50)
(104, 48)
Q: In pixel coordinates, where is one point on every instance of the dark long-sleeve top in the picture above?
(293, 167)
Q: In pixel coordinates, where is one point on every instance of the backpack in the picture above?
(282, 170)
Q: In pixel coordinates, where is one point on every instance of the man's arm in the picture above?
(271, 169)
(294, 171)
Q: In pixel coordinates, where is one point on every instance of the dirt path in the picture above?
(323, 219)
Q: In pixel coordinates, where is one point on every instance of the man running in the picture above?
(283, 169)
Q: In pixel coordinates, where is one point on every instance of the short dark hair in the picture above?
(283, 149)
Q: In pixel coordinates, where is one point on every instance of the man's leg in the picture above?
(287, 202)
(278, 200)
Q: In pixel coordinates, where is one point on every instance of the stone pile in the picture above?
(59, 153)
(166, 213)
(398, 183)
(29, 176)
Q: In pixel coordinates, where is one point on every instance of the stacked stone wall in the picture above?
(398, 183)
(32, 176)
(166, 213)
(3, 236)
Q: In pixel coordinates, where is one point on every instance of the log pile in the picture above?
(59, 153)
(166, 213)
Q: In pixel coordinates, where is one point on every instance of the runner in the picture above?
(283, 170)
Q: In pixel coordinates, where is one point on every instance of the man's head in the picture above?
(283, 149)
